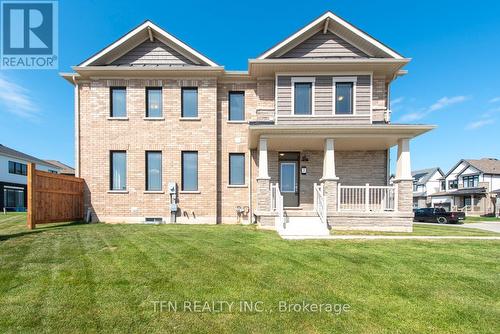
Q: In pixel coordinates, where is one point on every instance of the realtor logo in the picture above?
(29, 35)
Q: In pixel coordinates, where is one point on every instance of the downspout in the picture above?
(77, 126)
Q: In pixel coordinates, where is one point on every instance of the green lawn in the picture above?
(427, 230)
(73, 278)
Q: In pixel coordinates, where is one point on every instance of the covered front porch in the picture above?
(337, 175)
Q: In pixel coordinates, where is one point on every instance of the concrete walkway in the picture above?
(386, 237)
(487, 226)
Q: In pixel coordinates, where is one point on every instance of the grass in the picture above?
(427, 230)
(471, 219)
(73, 278)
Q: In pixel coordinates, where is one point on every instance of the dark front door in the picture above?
(289, 178)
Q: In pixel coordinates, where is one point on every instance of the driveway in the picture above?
(487, 226)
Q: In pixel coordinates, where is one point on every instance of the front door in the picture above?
(289, 178)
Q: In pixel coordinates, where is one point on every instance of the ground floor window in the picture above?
(13, 198)
(190, 171)
(236, 168)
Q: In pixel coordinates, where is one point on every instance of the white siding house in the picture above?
(470, 187)
(425, 183)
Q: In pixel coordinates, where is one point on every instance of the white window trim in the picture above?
(354, 81)
(311, 80)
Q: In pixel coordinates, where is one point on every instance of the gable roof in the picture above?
(423, 175)
(65, 169)
(4, 150)
(340, 27)
(145, 31)
(486, 165)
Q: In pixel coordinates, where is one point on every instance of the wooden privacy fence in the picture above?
(53, 198)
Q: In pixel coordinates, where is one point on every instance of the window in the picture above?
(18, 168)
(415, 187)
(154, 102)
(471, 181)
(153, 170)
(344, 98)
(236, 168)
(189, 171)
(13, 197)
(443, 185)
(118, 180)
(52, 171)
(118, 102)
(302, 98)
(453, 184)
(189, 102)
(236, 106)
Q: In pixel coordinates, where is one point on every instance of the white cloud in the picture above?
(442, 103)
(17, 99)
(479, 124)
(397, 101)
(495, 99)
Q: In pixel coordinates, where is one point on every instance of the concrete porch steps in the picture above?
(303, 227)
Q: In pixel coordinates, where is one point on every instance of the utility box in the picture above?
(172, 188)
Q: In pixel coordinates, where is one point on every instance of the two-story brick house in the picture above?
(300, 134)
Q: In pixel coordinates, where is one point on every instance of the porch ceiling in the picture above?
(347, 138)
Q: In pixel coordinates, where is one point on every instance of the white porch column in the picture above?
(403, 167)
(403, 179)
(329, 160)
(329, 178)
(263, 168)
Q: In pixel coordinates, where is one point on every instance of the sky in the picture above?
(453, 80)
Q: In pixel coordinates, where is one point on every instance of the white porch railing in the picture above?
(320, 202)
(277, 203)
(367, 198)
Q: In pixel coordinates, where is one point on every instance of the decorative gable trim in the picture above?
(323, 23)
(150, 29)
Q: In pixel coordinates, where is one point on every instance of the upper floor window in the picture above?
(344, 91)
(471, 181)
(453, 184)
(118, 170)
(118, 102)
(303, 96)
(153, 170)
(52, 171)
(236, 168)
(236, 106)
(415, 187)
(443, 185)
(18, 168)
(189, 170)
(154, 102)
(189, 102)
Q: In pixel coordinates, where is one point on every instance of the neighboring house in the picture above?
(469, 186)
(425, 183)
(151, 112)
(13, 177)
(65, 169)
